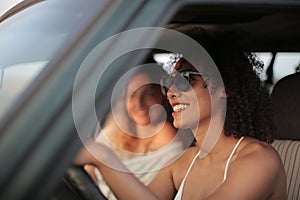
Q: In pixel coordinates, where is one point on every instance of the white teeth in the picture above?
(179, 107)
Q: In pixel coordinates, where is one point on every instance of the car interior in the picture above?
(267, 28)
(260, 26)
(285, 100)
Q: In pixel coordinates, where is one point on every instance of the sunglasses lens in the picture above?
(181, 82)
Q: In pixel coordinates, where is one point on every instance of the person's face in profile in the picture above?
(191, 106)
(144, 100)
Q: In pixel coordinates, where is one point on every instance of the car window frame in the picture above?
(52, 139)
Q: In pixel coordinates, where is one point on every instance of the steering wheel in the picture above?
(77, 184)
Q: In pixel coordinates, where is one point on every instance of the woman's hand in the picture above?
(112, 169)
(84, 157)
(98, 155)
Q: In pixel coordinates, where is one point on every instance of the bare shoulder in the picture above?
(261, 169)
(258, 156)
(257, 151)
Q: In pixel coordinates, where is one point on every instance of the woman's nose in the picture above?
(173, 92)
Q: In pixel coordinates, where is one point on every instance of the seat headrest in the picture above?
(285, 99)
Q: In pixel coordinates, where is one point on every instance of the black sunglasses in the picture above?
(181, 81)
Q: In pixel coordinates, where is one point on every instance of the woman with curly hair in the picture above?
(232, 125)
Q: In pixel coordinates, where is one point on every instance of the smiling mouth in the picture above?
(179, 107)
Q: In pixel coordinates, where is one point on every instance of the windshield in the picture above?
(33, 36)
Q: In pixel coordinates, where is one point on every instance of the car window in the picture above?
(28, 49)
(285, 63)
(14, 79)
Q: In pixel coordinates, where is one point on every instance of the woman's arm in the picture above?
(122, 183)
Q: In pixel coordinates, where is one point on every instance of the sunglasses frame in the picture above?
(185, 85)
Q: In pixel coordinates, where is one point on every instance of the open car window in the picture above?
(26, 49)
(284, 64)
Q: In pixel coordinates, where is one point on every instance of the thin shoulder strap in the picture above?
(229, 158)
(180, 190)
(191, 165)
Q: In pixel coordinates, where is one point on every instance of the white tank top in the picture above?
(180, 191)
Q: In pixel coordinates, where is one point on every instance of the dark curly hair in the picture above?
(248, 106)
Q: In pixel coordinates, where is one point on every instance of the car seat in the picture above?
(285, 99)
